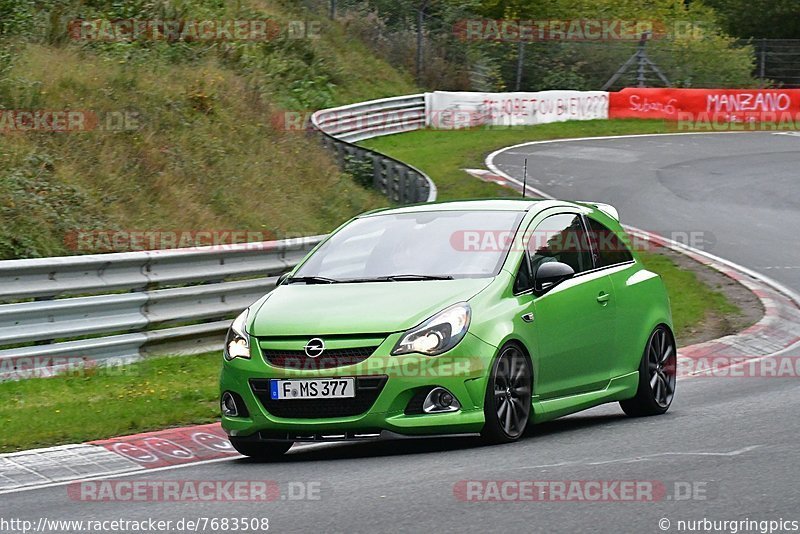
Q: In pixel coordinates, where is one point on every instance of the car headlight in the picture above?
(438, 334)
(237, 342)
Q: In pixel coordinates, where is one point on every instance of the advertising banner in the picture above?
(453, 110)
(731, 105)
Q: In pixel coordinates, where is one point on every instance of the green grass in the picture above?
(443, 154)
(691, 300)
(149, 395)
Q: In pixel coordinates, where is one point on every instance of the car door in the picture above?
(575, 320)
(614, 257)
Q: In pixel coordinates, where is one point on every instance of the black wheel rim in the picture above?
(661, 365)
(512, 392)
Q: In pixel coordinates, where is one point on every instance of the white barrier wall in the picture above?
(452, 110)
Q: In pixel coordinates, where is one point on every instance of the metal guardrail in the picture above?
(342, 127)
(128, 304)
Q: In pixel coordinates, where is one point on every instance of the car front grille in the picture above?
(297, 359)
(367, 390)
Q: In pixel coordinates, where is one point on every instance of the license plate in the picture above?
(323, 388)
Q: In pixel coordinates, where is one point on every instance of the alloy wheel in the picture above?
(661, 365)
(512, 391)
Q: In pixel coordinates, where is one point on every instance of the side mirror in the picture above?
(550, 274)
(281, 279)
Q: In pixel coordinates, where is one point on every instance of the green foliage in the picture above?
(360, 169)
(770, 19)
(34, 205)
(702, 57)
(15, 17)
(713, 61)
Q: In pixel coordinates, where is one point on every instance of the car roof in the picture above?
(505, 204)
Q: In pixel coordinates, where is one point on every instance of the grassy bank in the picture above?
(191, 135)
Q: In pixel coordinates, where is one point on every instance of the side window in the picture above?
(560, 238)
(611, 250)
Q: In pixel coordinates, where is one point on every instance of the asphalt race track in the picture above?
(734, 439)
(739, 192)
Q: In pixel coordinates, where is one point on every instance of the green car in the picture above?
(471, 317)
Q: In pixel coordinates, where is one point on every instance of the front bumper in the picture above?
(463, 371)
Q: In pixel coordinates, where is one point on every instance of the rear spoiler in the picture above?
(608, 209)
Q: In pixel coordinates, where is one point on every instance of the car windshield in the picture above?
(415, 246)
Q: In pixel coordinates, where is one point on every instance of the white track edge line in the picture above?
(777, 286)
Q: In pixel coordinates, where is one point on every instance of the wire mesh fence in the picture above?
(777, 61)
(428, 41)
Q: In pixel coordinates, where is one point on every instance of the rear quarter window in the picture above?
(610, 249)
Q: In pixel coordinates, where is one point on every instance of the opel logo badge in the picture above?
(315, 347)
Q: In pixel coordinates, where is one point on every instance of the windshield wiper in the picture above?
(391, 278)
(396, 278)
(413, 277)
(312, 280)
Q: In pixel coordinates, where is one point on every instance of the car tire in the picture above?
(507, 405)
(657, 373)
(261, 450)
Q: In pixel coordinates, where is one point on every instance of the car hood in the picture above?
(363, 308)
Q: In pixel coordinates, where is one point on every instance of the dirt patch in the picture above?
(715, 324)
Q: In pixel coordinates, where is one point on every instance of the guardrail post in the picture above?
(386, 175)
(376, 170)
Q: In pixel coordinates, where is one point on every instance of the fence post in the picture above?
(640, 58)
(763, 66)
(332, 13)
(420, 22)
(641, 53)
(520, 61)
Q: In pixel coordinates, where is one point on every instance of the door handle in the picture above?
(603, 298)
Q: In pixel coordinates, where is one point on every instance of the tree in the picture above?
(770, 19)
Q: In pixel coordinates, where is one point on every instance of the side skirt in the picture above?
(619, 388)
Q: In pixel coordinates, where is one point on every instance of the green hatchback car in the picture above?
(461, 317)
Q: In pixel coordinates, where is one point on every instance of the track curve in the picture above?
(740, 192)
(736, 436)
